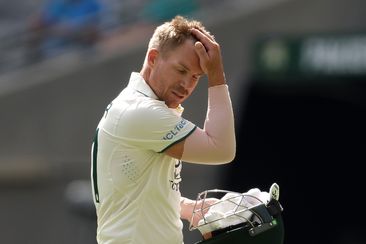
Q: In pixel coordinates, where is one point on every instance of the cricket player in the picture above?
(142, 138)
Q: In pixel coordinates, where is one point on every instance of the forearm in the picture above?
(216, 142)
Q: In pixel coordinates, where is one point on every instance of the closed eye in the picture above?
(182, 71)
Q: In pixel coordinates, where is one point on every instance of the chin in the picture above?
(172, 105)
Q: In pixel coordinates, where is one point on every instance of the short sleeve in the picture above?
(153, 128)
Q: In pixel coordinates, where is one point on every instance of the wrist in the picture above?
(186, 206)
(216, 80)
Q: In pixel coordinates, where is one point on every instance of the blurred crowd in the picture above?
(48, 28)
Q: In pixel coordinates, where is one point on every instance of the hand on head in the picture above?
(209, 53)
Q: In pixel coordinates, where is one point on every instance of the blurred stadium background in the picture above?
(296, 71)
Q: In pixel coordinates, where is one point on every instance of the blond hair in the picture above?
(174, 33)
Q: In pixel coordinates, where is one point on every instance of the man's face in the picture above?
(175, 74)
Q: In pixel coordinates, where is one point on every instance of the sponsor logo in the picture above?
(175, 182)
(171, 134)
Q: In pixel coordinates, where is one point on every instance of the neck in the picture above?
(145, 73)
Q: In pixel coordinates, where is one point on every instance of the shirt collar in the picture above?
(138, 83)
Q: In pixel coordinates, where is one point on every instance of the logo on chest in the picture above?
(174, 183)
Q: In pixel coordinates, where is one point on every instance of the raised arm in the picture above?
(215, 143)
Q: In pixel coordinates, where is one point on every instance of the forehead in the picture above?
(185, 55)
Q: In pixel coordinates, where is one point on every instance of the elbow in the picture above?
(231, 155)
(229, 151)
(226, 155)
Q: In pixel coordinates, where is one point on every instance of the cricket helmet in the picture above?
(253, 217)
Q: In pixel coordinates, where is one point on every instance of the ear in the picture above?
(152, 56)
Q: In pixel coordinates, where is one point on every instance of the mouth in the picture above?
(178, 95)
